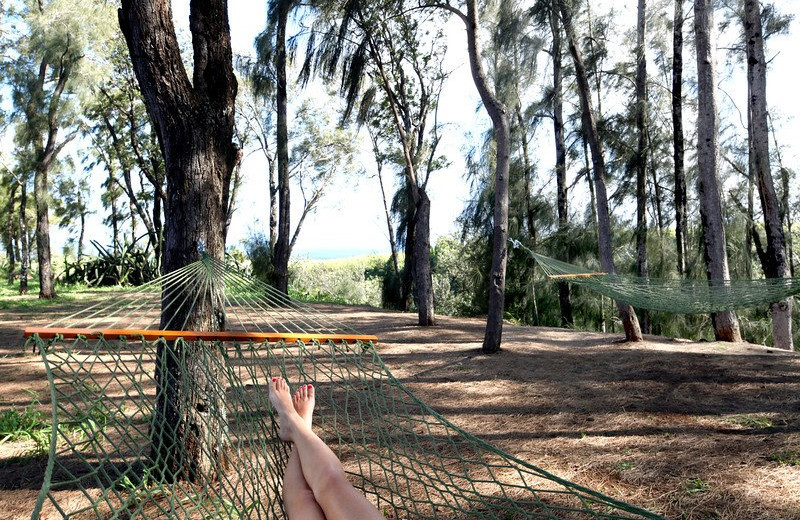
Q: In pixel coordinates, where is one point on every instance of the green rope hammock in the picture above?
(680, 296)
(107, 455)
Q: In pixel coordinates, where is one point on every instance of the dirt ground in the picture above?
(689, 430)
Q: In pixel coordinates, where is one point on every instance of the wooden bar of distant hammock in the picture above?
(190, 335)
(574, 275)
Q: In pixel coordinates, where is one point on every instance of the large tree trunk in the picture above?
(681, 219)
(726, 325)
(194, 121)
(282, 251)
(564, 300)
(641, 154)
(627, 315)
(502, 135)
(776, 265)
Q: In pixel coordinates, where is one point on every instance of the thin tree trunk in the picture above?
(564, 300)
(11, 216)
(422, 261)
(726, 325)
(83, 227)
(281, 251)
(387, 214)
(273, 205)
(776, 265)
(136, 206)
(751, 233)
(407, 289)
(41, 195)
(389, 227)
(588, 168)
(641, 155)
(114, 212)
(132, 213)
(786, 210)
(194, 120)
(627, 315)
(681, 219)
(527, 173)
(24, 258)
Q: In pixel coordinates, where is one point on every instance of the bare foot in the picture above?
(303, 400)
(282, 401)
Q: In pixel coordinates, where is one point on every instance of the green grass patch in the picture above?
(752, 421)
(32, 424)
(625, 465)
(786, 457)
(28, 424)
(694, 486)
(11, 300)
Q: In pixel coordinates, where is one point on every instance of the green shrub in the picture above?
(131, 266)
(350, 281)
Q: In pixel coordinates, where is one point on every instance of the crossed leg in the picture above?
(319, 466)
(298, 499)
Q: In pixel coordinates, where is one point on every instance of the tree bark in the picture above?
(776, 265)
(627, 315)
(282, 251)
(194, 122)
(641, 154)
(564, 300)
(726, 325)
(681, 219)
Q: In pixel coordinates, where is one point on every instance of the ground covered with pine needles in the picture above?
(689, 430)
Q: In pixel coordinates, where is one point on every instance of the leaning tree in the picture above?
(194, 119)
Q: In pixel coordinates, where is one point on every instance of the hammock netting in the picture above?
(114, 455)
(680, 296)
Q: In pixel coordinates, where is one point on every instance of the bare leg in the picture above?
(321, 468)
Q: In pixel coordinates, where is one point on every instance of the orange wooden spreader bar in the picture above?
(190, 335)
